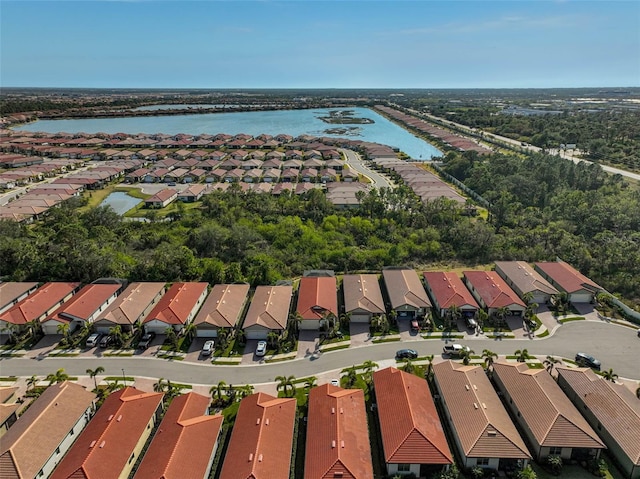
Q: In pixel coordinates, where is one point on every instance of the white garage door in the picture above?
(256, 334)
(360, 318)
(206, 333)
(50, 328)
(580, 298)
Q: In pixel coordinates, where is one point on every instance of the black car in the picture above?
(146, 340)
(586, 360)
(406, 354)
(106, 341)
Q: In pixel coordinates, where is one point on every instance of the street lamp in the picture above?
(124, 379)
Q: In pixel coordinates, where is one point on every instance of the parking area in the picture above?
(195, 351)
(359, 333)
(249, 355)
(308, 343)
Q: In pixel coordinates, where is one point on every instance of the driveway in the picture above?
(249, 355)
(308, 343)
(195, 351)
(359, 333)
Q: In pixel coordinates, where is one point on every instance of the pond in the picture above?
(120, 201)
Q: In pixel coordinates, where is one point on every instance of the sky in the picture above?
(320, 44)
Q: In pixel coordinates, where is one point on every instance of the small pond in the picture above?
(120, 201)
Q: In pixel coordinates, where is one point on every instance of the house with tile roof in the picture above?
(566, 278)
(114, 439)
(483, 432)
(337, 443)
(130, 307)
(40, 438)
(262, 438)
(526, 280)
(38, 305)
(611, 409)
(317, 300)
(8, 408)
(551, 423)
(492, 292)
(177, 308)
(161, 199)
(413, 439)
(446, 289)
(11, 293)
(186, 440)
(406, 293)
(268, 311)
(362, 297)
(223, 308)
(84, 307)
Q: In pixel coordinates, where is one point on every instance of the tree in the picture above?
(33, 380)
(273, 339)
(285, 383)
(172, 337)
(58, 377)
(93, 373)
(550, 363)
(63, 329)
(189, 329)
(222, 338)
(610, 375)
(118, 336)
(452, 314)
(368, 366)
(310, 383)
(429, 373)
(502, 313)
(218, 390)
(555, 464)
(408, 367)
(246, 390)
(522, 355)
(489, 357)
(527, 473)
(352, 377)
(465, 355)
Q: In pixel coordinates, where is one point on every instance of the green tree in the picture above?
(522, 355)
(489, 357)
(465, 355)
(310, 383)
(527, 473)
(367, 374)
(408, 367)
(172, 338)
(218, 390)
(93, 373)
(118, 336)
(550, 363)
(610, 375)
(58, 377)
(429, 373)
(286, 383)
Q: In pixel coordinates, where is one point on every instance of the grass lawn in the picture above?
(573, 318)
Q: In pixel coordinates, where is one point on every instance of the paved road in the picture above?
(355, 162)
(618, 347)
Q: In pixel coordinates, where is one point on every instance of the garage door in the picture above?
(360, 318)
(50, 328)
(206, 333)
(580, 298)
(256, 334)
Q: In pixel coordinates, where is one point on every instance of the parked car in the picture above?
(208, 348)
(93, 340)
(335, 382)
(586, 360)
(261, 349)
(454, 350)
(470, 322)
(415, 326)
(106, 341)
(146, 339)
(406, 354)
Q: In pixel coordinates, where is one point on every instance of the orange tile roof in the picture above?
(103, 449)
(132, 303)
(409, 424)
(362, 291)
(337, 434)
(185, 440)
(567, 277)
(449, 290)
(553, 420)
(269, 307)
(36, 304)
(223, 306)
(479, 419)
(405, 288)
(84, 303)
(494, 291)
(10, 291)
(317, 296)
(177, 303)
(262, 437)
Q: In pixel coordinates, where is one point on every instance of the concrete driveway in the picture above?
(359, 333)
(308, 343)
(249, 355)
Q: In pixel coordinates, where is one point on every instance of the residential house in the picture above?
(551, 423)
(483, 433)
(447, 291)
(262, 439)
(268, 311)
(11, 293)
(362, 297)
(610, 408)
(131, 307)
(493, 293)
(39, 439)
(337, 443)
(253, 176)
(161, 199)
(317, 300)
(186, 440)
(114, 439)
(566, 278)
(413, 439)
(8, 408)
(193, 193)
(84, 307)
(222, 309)
(271, 175)
(526, 281)
(177, 308)
(406, 293)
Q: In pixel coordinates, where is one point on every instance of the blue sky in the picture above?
(320, 44)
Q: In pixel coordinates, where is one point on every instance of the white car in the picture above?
(208, 347)
(93, 340)
(454, 350)
(261, 350)
(335, 382)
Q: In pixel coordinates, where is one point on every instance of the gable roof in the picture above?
(449, 290)
(567, 277)
(132, 303)
(493, 290)
(362, 291)
(38, 303)
(409, 424)
(184, 441)
(162, 195)
(317, 295)
(223, 306)
(614, 406)
(262, 437)
(548, 412)
(32, 440)
(269, 307)
(524, 277)
(177, 304)
(104, 447)
(11, 291)
(479, 419)
(405, 288)
(84, 303)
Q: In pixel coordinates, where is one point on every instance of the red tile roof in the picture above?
(317, 296)
(185, 440)
(448, 290)
(177, 303)
(162, 195)
(262, 437)
(494, 291)
(10, 291)
(567, 277)
(103, 449)
(337, 434)
(409, 424)
(38, 303)
(84, 303)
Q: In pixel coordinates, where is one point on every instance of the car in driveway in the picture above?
(586, 360)
(106, 341)
(454, 350)
(470, 322)
(208, 347)
(261, 349)
(93, 340)
(406, 354)
(146, 339)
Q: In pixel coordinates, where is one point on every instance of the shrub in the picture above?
(555, 464)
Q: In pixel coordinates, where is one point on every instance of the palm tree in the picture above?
(482, 318)
(189, 329)
(246, 390)
(310, 382)
(58, 377)
(34, 327)
(285, 383)
(429, 359)
(31, 382)
(93, 373)
(118, 336)
(610, 375)
(522, 355)
(172, 337)
(465, 355)
(453, 313)
(368, 366)
(352, 377)
(502, 313)
(527, 297)
(159, 387)
(217, 390)
(550, 363)
(63, 329)
(489, 357)
(408, 367)
(272, 339)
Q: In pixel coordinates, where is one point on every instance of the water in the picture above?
(120, 202)
(292, 122)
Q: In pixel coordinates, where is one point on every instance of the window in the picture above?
(58, 450)
(404, 467)
(482, 461)
(131, 458)
(555, 451)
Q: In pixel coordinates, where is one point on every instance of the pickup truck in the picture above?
(454, 350)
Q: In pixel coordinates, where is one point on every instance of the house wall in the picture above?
(159, 327)
(124, 474)
(310, 324)
(494, 463)
(413, 469)
(9, 421)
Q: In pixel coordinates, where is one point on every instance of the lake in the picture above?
(292, 122)
(120, 202)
